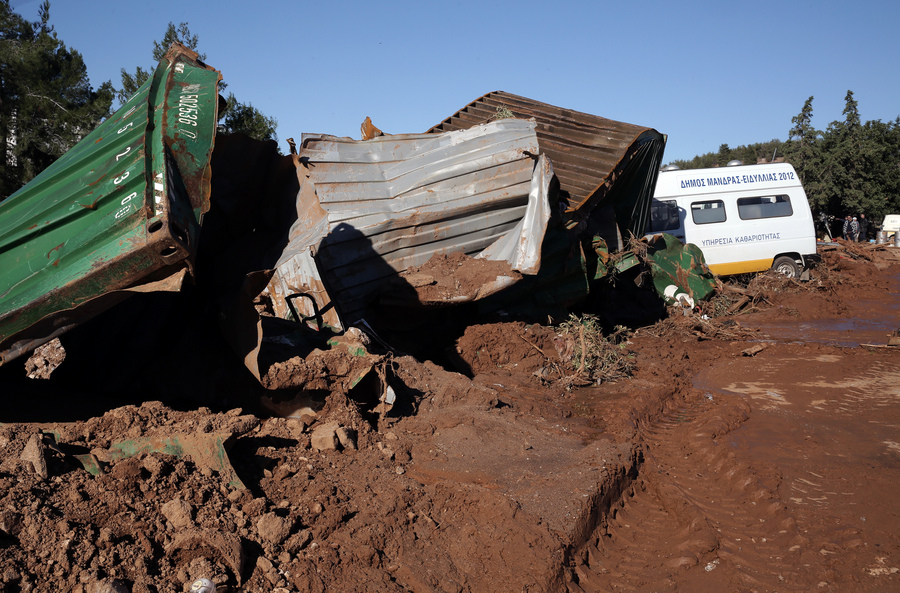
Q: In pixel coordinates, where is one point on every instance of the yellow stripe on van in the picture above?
(741, 267)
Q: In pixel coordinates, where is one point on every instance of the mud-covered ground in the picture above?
(757, 451)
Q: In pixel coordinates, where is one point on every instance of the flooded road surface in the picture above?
(776, 473)
(848, 333)
(868, 316)
(773, 472)
(824, 428)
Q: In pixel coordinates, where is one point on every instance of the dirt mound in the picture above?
(516, 347)
(731, 459)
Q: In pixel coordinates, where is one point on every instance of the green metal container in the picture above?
(120, 212)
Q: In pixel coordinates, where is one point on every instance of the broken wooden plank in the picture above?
(754, 350)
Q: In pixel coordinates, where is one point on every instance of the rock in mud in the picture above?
(178, 512)
(296, 426)
(218, 547)
(298, 541)
(265, 566)
(34, 454)
(109, 586)
(324, 437)
(274, 529)
(346, 437)
(10, 522)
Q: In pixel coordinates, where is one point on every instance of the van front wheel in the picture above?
(786, 266)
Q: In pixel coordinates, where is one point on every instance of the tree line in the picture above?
(850, 168)
(47, 103)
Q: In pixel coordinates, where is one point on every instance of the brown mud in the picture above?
(754, 452)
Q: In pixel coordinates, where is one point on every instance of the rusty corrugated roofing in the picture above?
(588, 152)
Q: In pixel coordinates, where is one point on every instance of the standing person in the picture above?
(823, 222)
(854, 230)
(845, 232)
(863, 228)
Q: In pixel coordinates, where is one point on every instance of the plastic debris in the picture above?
(203, 586)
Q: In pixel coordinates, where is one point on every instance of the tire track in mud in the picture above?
(878, 389)
(697, 517)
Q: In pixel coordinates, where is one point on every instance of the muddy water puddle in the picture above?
(848, 333)
(867, 319)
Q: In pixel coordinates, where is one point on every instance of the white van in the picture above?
(891, 224)
(745, 218)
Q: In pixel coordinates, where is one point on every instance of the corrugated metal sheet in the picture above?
(589, 153)
(368, 210)
(117, 212)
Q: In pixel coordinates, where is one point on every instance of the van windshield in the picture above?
(663, 216)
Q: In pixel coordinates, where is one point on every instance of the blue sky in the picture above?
(704, 73)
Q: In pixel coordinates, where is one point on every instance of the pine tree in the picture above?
(804, 137)
(880, 160)
(131, 82)
(803, 151)
(724, 155)
(237, 117)
(46, 101)
(843, 156)
(246, 119)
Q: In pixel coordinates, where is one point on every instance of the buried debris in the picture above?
(203, 586)
(334, 233)
(753, 350)
(208, 451)
(679, 272)
(316, 265)
(892, 344)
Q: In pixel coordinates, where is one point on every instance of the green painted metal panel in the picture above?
(670, 262)
(119, 210)
(673, 263)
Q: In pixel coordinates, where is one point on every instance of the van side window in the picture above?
(663, 216)
(706, 212)
(764, 207)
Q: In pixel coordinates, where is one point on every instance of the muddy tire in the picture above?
(786, 266)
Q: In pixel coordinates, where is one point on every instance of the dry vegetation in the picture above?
(591, 357)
